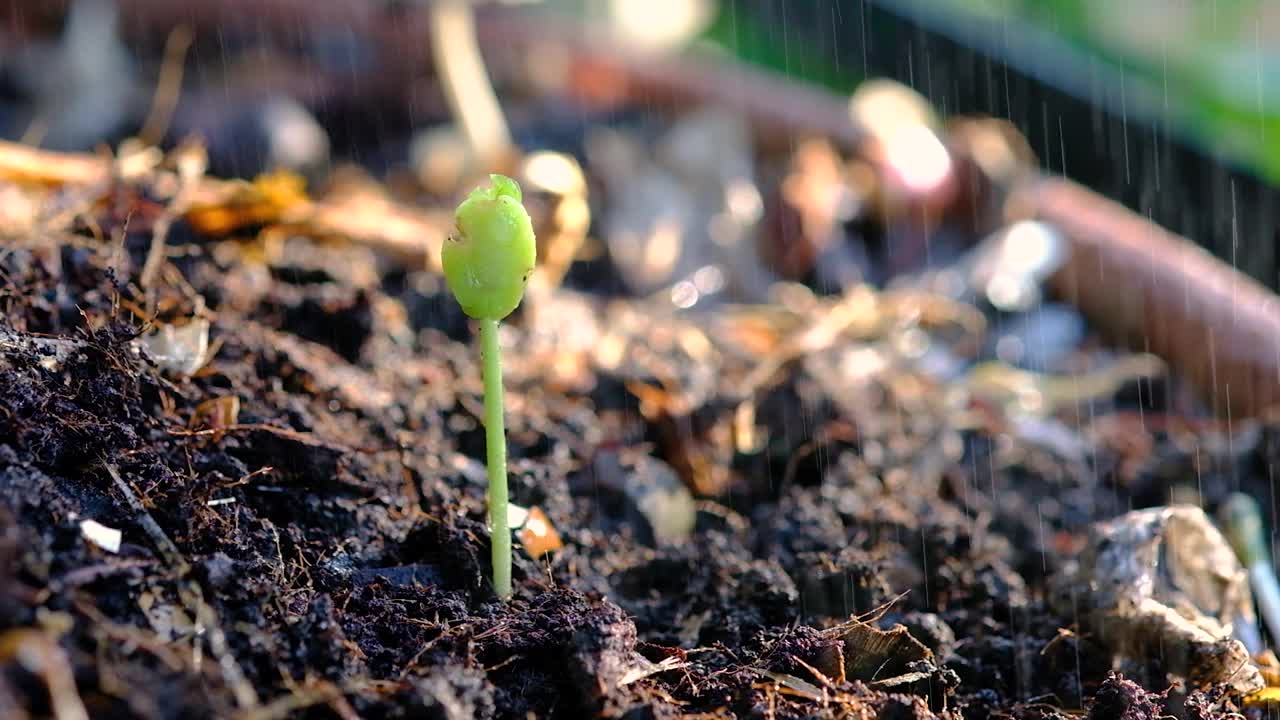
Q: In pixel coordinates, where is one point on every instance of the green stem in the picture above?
(496, 443)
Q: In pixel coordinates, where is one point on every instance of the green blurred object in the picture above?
(1216, 64)
(1242, 524)
(755, 38)
(1209, 71)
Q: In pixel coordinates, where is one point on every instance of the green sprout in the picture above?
(486, 265)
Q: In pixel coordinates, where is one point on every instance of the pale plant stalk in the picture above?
(496, 443)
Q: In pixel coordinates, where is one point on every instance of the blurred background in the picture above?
(1173, 108)
(814, 277)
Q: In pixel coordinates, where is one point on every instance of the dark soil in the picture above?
(348, 570)
(322, 551)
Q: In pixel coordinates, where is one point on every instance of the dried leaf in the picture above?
(796, 685)
(216, 414)
(223, 207)
(1266, 697)
(179, 349)
(1165, 580)
(870, 653)
(539, 536)
(27, 165)
(645, 668)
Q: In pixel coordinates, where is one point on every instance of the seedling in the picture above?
(486, 265)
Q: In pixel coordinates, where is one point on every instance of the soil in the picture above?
(304, 532)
